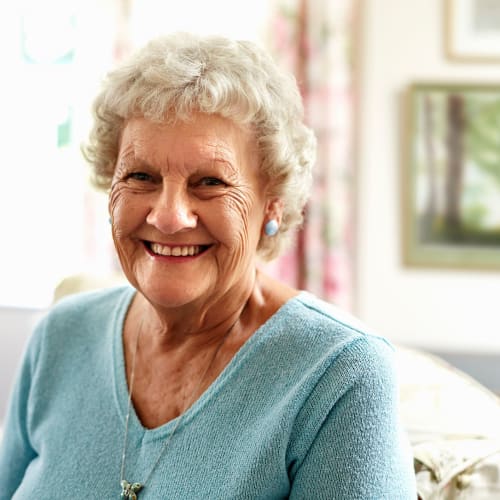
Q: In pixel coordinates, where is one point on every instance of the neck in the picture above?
(194, 326)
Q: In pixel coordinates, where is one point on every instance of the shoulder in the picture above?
(82, 314)
(93, 304)
(348, 422)
(350, 368)
(332, 330)
(319, 346)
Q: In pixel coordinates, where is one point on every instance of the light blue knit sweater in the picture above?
(307, 409)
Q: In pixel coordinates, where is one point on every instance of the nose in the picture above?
(172, 210)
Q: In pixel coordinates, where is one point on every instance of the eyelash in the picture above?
(211, 181)
(139, 176)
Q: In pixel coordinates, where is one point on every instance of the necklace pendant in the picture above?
(129, 491)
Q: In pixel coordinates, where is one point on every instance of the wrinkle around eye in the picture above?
(241, 202)
(122, 187)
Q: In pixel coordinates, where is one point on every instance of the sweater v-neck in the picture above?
(136, 428)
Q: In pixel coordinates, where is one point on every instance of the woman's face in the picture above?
(187, 204)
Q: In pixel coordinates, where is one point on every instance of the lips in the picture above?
(175, 250)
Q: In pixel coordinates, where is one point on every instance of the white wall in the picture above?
(402, 41)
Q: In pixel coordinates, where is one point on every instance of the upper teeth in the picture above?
(175, 251)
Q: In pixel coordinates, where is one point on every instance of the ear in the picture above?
(274, 210)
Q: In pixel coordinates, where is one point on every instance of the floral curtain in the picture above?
(314, 39)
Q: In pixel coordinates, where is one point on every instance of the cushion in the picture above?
(453, 423)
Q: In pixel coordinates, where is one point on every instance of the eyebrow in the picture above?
(128, 160)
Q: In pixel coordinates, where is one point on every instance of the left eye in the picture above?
(211, 181)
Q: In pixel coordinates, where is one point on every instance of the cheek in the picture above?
(123, 211)
(114, 200)
(241, 215)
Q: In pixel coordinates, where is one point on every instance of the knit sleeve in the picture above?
(16, 451)
(354, 446)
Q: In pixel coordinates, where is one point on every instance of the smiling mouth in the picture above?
(175, 251)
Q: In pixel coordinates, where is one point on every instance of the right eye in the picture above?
(140, 176)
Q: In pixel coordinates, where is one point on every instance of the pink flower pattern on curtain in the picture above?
(314, 39)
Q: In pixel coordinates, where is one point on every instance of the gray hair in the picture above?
(176, 75)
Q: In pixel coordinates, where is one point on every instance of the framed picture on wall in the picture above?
(473, 30)
(451, 181)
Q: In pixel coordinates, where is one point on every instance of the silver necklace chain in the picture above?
(130, 490)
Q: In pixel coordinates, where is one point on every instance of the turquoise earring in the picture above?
(271, 227)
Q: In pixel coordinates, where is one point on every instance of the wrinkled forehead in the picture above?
(210, 130)
(202, 140)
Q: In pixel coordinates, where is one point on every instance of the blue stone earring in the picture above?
(271, 227)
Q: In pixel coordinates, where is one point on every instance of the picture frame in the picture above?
(451, 176)
(472, 30)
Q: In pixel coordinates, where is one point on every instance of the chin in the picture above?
(171, 297)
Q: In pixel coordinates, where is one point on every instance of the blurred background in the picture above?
(357, 63)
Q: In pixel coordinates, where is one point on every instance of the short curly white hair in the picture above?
(176, 75)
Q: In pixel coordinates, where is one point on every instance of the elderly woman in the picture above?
(204, 379)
